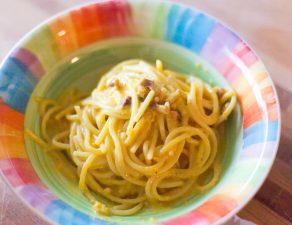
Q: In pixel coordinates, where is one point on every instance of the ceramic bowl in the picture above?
(76, 46)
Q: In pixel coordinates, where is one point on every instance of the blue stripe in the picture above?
(171, 20)
(198, 32)
(64, 214)
(188, 28)
(16, 84)
(260, 132)
(181, 28)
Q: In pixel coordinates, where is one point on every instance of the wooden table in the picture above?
(265, 24)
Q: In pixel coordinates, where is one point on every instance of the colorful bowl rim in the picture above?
(51, 18)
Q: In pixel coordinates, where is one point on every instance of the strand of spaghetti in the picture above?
(88, 123)
(126, 212)
(84, 170)
(119, 159)
(228, 110)
(64, 112)
(144, 105)
(153, 142)
(45, 120)
(44, 103)
(96, 187)
(36, 139)
(161, 127)
(138, 128)
(56, 140)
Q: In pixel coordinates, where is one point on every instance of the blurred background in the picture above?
(266, 25)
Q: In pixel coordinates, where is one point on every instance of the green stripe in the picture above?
(160, 21)
(44, 46)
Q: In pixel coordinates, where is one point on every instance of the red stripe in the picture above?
(187, 219)
(102, 20)
(19, 172)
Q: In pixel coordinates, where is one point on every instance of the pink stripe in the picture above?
(230, 70)
(245, 54)
(30, 60)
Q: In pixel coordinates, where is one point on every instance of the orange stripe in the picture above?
(252, 114)
(242, 86)
(11, 143)
(259, 77)
(64, 34)
(87, 24)
(11, 117)
(247, 100)
(101, 20)
(217, 207)
(251, 110)
(91, 23)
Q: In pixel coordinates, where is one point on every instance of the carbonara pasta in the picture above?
(144, 135)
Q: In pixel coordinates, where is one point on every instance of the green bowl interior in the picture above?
(82, 70)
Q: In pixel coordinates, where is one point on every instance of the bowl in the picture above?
(75, 47)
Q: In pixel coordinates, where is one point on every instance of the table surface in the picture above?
(265, 24)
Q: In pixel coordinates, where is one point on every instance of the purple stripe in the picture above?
(259, 150)
(30, 60)
(38, 197)
(217, 43)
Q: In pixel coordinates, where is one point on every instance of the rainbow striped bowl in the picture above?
(77, 45)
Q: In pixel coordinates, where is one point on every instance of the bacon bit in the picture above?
(127, 101)
(142, 91)
(153, 105)
(176, 115)
(141, 99)
(220, 92)
(144, 87)
(114, 83)
(146, 83)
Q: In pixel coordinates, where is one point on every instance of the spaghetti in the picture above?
(144, 135)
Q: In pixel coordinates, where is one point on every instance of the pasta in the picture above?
(144, 135)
